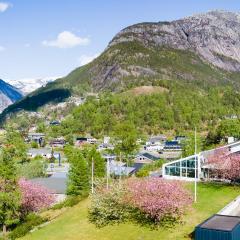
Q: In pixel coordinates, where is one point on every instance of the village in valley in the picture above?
(120, 120)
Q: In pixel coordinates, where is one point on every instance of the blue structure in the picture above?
(219, 227)
(172, 146)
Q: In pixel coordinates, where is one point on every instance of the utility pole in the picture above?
(196, 167)
(92, 174)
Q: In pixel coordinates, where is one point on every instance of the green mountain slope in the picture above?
(180, 53)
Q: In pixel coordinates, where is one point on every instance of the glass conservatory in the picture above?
(183, 168)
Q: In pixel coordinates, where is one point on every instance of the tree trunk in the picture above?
(4, 231)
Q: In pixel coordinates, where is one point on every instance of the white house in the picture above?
(156, 140)
(158, 147)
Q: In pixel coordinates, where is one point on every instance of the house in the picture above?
(36, 137)
(156, 140)
(55, 123)
(109, 157)
(118, 168)
(170, 155)
(106, 140)
(146, 157)
(180, 138)
(172, 146)
(43, 152)
(104, 146)
(85, 140)
(158, 147)
(59, 142)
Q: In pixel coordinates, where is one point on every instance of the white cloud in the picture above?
(67, 39)
(2, 48)
(4, 6)
(85, 59)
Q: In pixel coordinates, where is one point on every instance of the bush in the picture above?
(159, 200)
(153, 201)
(34, 196)
(108, 207)
(31, 221)
(32, 169)
(34, 144)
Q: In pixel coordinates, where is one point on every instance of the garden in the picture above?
(73, 223)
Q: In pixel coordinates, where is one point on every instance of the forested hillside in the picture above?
(194, 90)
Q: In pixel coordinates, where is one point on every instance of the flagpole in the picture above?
(196, 166)
(92, 174)
(107, 173)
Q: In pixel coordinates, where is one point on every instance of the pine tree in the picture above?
(9, 192)
(78, 178)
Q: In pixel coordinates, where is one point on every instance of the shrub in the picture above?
(26, 226)
(152, 200)
(158, 199)
(34, 196)
(32, 169)
(108, 207)
(34, 144)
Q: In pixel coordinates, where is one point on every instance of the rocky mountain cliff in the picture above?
(8, 95)
(200, 51)
(214, 36)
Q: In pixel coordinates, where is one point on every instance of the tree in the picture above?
(158, 198)
(224, 164)
(189, 145)
(91, 154)
(32, 169)
(78, 178)
(15, 141)
(126, 137)
(34, 196)
(228, 128)
(9, 192)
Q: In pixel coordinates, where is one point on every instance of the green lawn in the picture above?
(73, 224)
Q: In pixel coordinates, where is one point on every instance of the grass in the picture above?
(73, 224)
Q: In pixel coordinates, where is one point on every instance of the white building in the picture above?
(150, 148)
(184, 168)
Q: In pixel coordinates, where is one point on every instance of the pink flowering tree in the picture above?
(34, 196)
(224, 164)
(158, 199)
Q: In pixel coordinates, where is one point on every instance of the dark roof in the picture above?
(221, 222)
(81, 139)
(171, 143)
(57, 185)
(137, 166)
(149, 156)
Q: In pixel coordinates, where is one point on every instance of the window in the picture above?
(181, 168)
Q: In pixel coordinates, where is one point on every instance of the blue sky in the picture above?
(52, 37)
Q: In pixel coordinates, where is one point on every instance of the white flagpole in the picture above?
(107, 173)
(92, 174)
(196, 166)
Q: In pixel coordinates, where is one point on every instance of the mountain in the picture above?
(28, 85)
(201, 51)
(8, 95)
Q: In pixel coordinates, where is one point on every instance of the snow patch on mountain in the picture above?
(27, 85)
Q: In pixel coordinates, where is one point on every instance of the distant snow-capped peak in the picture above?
(27, 85)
